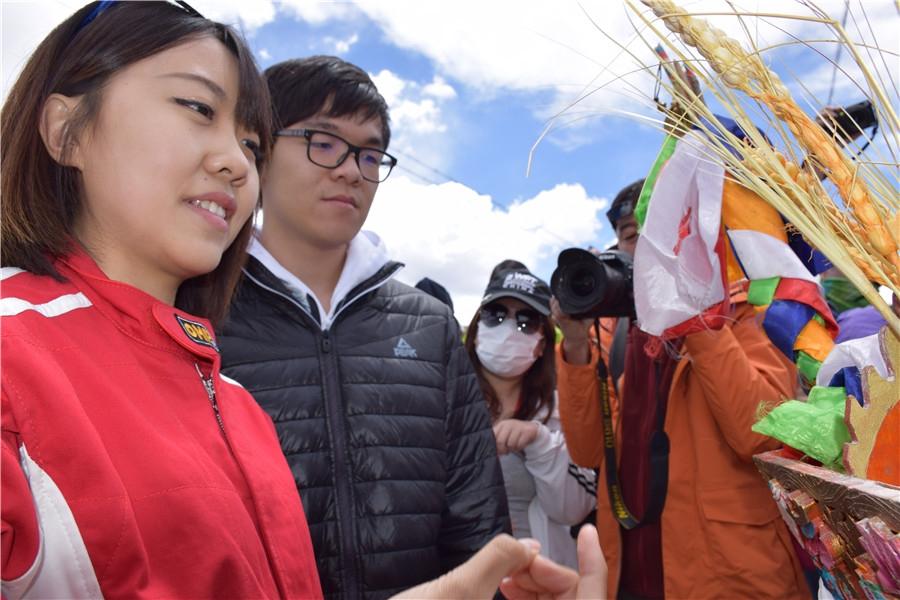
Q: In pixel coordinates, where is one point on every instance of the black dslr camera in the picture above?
(589, 286)
(851, 120)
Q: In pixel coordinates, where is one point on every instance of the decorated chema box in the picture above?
(847, 517)
(849, 526)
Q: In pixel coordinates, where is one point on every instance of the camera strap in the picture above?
(617, 351)
(659, 459)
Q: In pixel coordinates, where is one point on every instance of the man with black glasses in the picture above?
(376, 405)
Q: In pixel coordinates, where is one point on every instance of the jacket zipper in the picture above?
(210, 388)
(337, 431)
(336, 424)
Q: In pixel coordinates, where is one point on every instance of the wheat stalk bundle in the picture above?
(861, 240)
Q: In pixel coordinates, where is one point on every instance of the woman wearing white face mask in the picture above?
(510, 341)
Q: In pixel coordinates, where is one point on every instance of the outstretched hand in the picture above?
(521, 573)
(546, 580)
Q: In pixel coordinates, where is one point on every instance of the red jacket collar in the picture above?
(136, 313)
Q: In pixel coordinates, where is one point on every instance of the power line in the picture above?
(418, 175)
(430, 168)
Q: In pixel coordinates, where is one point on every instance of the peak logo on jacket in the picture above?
(404, 350)
(197, 332)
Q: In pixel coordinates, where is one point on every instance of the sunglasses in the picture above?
(619, 212)
(528, 321)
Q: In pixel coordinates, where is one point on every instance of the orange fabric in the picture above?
(583, 448)
(742, 209)
(815, 340)
(883, 460)
(722, 534)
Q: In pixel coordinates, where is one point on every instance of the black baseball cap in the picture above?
(436, 290)
(511, 279)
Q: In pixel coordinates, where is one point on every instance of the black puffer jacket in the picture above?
(383, 425)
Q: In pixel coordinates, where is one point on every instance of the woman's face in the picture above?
(169, 176)
(513, 306)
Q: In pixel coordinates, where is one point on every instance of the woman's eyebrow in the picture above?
(213, 87)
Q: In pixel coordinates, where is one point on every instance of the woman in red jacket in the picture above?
(130, 466)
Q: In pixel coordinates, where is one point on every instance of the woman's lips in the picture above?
(342, 200)
(215, 207)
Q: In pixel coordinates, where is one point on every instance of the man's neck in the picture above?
(316, 266)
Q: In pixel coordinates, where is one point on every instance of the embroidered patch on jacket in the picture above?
(404, 350)
(197, 332)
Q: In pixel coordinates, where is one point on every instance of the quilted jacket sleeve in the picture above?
(476, 508)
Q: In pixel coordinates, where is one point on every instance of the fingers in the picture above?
(543, 578)
(514, 442)
(591, 564)
(513, 435)
(555, 311)
(501, 435)
(480, 576)
(524, 434)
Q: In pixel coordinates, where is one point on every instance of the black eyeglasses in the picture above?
(528, 321)
(330, 151)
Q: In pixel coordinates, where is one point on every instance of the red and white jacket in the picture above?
(130, 466)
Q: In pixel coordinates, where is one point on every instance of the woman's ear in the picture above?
(539, 347)
(55, 117)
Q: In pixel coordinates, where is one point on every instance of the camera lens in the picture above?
(593, 286)
(583, 283)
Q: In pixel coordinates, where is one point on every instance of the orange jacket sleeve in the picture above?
(579, 402)
(739, 368)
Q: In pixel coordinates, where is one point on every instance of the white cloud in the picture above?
(390, 85)
(455, 235)
(418, 122)
(246, 15)
(848, 80)
(317, 13)
(340, 46)
(439, 89)
(265, 54)
(418, 117)
(24, 26)
(507, 45)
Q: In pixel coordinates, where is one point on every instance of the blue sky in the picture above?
(471, 87)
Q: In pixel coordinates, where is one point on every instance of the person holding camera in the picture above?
(510, 342)
(684, 514)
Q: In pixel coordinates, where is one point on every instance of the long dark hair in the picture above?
(538, 385)
(42, 198)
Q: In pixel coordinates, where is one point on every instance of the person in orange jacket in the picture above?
(699, 521)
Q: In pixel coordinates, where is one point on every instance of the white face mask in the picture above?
(504, 350)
